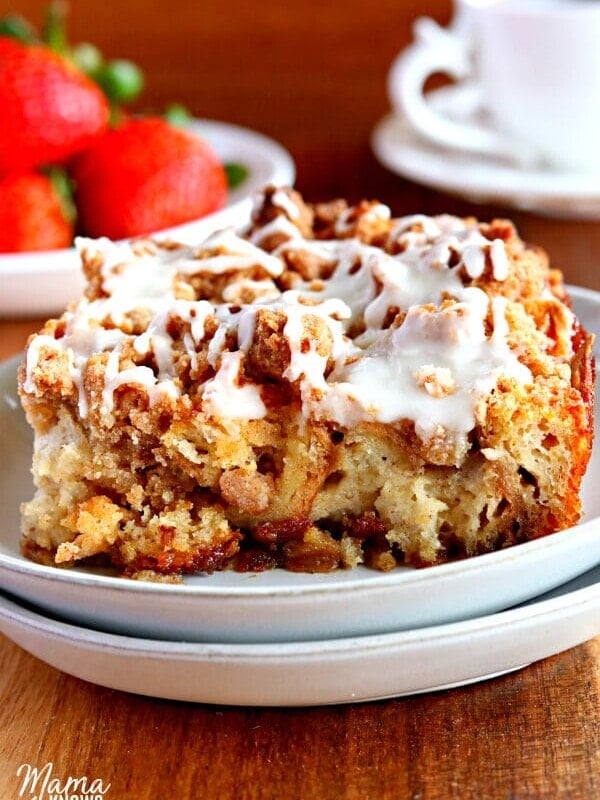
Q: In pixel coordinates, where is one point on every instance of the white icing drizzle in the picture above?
(432, 366)
(376, 213)
(306, 364)
(474, 260)
(225, 251)
(381, 384)
(278, 225)
(499, 259)
(224, 397)
(353, 280)
(283, 201)
(114, 377)
(323, 250)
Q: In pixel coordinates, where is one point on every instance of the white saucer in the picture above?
(279, 606)
(38, 284)
(315, 673)
(480, 178)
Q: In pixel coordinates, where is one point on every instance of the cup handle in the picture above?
(441, 50)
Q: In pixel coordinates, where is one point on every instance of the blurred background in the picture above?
(311, 75)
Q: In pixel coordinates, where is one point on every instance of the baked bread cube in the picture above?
(330, 387)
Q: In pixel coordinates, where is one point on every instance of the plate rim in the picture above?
(311, 673)
(367, 581)
(527, 612)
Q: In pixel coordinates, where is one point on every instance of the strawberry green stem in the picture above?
(54, 30)
(63, 187)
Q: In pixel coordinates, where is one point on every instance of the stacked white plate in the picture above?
(278, 638)
(480, 178)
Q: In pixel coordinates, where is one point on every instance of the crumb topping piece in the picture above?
(382, 328)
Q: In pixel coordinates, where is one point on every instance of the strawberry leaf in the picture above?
(17, 27)
(121, 80)
(178, 115)
(63, 186)
(87, 57)
(236, 174)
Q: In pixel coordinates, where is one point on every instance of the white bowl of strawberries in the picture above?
(72, 164)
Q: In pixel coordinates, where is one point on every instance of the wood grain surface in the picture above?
(533, 734)
(313, 76)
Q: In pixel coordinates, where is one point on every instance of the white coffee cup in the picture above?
(536, 67)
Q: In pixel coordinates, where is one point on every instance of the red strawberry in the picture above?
(144, 176)
(31, 214)
(9, 45)
(50, 109)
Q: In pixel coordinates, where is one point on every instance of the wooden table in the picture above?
(313, 76)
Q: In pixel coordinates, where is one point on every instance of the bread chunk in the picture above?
(330, 387)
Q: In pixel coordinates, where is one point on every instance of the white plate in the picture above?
(311, 673)
(481, 178)
(37, 284)
(282, 606)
